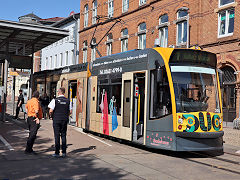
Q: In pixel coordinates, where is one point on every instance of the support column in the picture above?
(13, 93)
(31, 75)
(5, 89)
(5, 82)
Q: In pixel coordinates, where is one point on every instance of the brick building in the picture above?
(139, 22)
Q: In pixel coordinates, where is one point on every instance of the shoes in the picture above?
(30, 152)
(55, 155)
(64, 155)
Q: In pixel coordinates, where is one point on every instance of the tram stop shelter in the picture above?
(18, 43)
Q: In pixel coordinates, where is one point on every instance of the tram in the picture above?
(165, 98)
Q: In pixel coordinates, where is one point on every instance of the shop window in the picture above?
(160, 98)
(112, 86)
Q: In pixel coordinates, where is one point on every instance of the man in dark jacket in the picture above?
(20, 102)
(44, 103)
(60, 109)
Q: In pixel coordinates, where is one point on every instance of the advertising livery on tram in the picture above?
(162, 98)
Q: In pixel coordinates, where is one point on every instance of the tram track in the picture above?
(216, 162)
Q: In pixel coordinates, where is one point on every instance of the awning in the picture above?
(22, 37)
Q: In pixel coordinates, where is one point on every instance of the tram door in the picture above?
(127, 103)
(138, 107)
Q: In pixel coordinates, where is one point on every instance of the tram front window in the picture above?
(195, 89)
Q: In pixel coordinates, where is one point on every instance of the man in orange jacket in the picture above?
(34, 113)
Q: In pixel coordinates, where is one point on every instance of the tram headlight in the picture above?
(180, 121)
(220, 120)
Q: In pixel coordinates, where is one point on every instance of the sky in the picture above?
(12, 9)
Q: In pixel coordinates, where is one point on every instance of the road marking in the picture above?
(238, 152)
(6, 143)
(81, 131)
(99, 140)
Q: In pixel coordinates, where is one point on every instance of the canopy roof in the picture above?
(22, 37)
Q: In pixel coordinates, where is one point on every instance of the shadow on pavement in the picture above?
(17, 165)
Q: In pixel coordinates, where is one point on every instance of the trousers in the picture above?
(17, 111)
(60, 130)
(33, 129)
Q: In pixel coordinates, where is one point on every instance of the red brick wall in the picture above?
(149, 14)
(203, 27)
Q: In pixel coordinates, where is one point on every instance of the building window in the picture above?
(141, 2)
(142, 36)
(225, 2)
(125, 5)
(94, 12)
(109, 44)
(182, 27)
(93, 49)
(84, 51)
(163, 30)
(110, 8)
(124, 40)
(56, 61)
(52, 63)
(66, 58)
(86, 16)
(73, 57)
(46, 63)
(61, 59)
(226, 22)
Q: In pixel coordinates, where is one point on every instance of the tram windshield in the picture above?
(195, 89)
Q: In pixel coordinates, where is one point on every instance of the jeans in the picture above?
(33, 129)
(45, 111)
(60, 129)
(17, 111)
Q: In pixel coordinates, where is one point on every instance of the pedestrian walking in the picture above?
(34, 113)
(59, 110)
(20, 102)
(44, 104)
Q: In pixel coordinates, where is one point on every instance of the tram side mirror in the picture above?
(159, 75)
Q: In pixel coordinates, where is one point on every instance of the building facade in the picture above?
(116, 26)
(64, 52)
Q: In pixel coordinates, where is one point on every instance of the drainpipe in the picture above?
(75, 39)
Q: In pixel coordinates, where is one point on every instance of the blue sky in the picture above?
(12, 9)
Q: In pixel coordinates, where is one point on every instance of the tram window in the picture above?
(111, 90)
(160, 98)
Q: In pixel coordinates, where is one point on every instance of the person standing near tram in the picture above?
(20, 102)
(59, 111)
(34, 112)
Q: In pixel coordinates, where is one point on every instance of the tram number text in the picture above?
(110, 71)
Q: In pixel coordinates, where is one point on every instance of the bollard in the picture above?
(236, 123)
